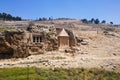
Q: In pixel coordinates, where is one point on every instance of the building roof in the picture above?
(63, 33)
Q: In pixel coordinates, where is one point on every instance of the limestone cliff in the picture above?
(19, 43)
(13, 44)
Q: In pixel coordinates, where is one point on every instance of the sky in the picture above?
(108, 10)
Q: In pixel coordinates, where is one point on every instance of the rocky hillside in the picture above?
(97, 46)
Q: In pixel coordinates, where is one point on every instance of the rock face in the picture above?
(13, 45)
(5, 50)
(19, 43)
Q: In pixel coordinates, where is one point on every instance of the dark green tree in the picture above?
(103, 22)
(44, 19)
(111, 23)
(50, 18)
(85, 21)
(92, 20)
(5, 16)
(18, 18)
(97, 21)
(40, 19)
(9, 17)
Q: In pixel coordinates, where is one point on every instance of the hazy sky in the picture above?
(32, 9)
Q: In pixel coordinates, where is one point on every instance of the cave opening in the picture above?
(6, 55)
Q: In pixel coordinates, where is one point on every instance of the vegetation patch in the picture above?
(34, 73)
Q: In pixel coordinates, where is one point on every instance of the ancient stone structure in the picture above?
(63, 40)
(36, 40)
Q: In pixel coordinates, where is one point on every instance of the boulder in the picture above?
(112, 33)
(84, 43)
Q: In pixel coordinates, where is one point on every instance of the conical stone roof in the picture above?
(63, 33)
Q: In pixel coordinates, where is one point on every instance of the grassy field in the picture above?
(57, 74)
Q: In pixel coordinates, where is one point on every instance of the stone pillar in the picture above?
(39, 39)
(35, 39)
(31, 37)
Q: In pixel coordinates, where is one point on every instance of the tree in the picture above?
(18, 18)
(84, 20)
(5, 16)
(9, 17)
(92, 20)
(111, 23)
(40, 19)
(50, 18)
(97, 21)
(103, 22)
(44, 19)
